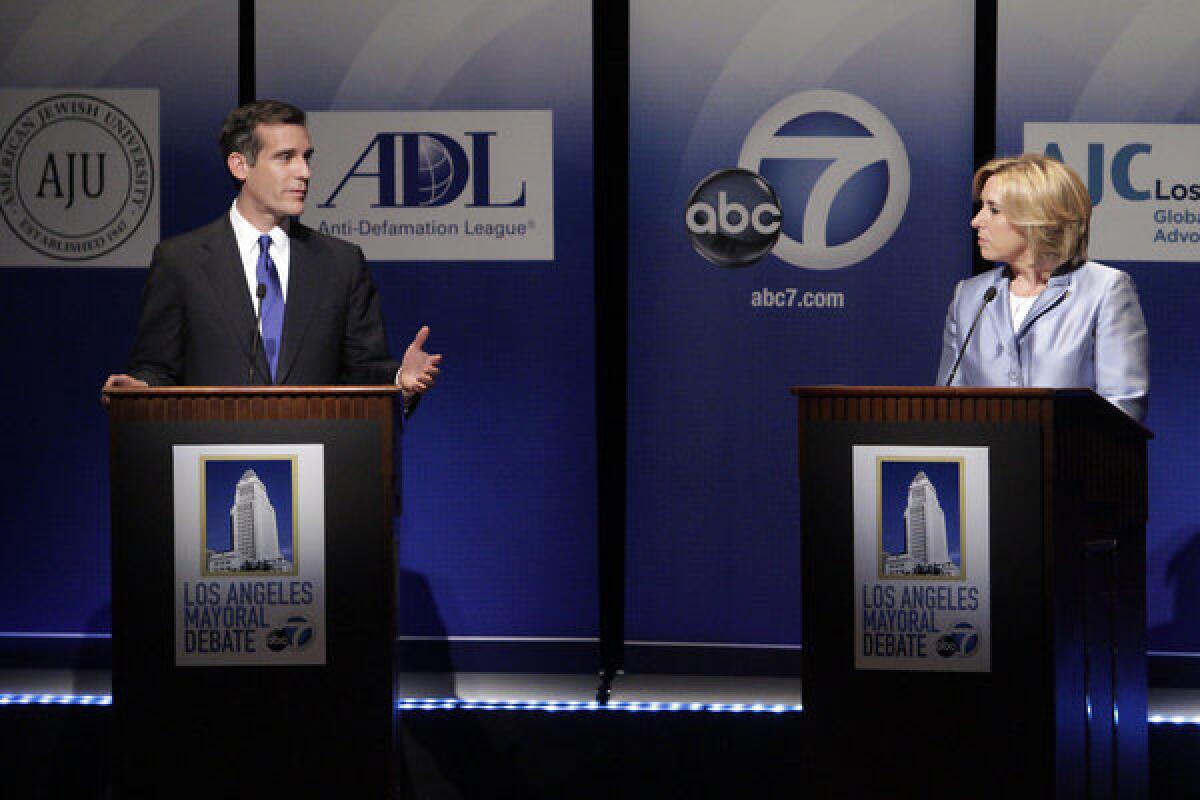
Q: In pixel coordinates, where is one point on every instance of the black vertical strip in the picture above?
(610, 126)
(247, 91)
(986, 26)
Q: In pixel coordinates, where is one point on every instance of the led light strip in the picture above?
(455, 704)
(55, 699)
(1173, 719)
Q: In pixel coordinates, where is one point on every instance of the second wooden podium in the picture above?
(974, 590)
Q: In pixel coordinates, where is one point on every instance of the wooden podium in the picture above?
(1061, 711)
(318, 721)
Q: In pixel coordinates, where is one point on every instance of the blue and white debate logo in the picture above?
(297, 632)
(962, 640)
(831, 175)
(1144, 182)
(436, 185)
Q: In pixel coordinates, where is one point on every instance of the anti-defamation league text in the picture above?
(220, 617)
(896, 621)
(365, 227)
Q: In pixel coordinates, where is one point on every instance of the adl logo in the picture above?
(434, 168)
(436, 185)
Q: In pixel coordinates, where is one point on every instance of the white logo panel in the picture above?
(1144, 181)
(435, 185)
(78, 177)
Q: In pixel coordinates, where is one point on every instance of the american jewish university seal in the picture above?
(76, 177)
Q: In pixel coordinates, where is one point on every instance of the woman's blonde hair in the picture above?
(1046, 201)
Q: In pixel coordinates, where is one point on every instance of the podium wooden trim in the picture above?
(308, 730)
(243, 403)
(1075, 722)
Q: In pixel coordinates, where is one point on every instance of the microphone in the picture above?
(260, 293)
(988, 297)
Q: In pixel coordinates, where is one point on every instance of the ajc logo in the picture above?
(1121, 162)
(846, 134)
(1143, 179)
(1121, 174)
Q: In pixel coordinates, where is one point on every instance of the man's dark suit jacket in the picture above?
(197, 323)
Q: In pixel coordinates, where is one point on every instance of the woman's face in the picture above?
(999, 239)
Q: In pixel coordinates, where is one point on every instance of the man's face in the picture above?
(274, 186)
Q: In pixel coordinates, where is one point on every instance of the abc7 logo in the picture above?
(296, 633)
(734, 217)
(962, 640)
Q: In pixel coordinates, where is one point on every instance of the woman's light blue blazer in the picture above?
(1085, 330)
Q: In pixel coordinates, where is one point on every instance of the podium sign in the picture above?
(922, 562)
(249, 554)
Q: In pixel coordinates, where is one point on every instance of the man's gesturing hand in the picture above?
(418, 369)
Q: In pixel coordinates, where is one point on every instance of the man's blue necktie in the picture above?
(272, 303)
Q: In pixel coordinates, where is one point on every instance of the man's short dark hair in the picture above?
(238, 132)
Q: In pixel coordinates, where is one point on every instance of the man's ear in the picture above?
(237, 165)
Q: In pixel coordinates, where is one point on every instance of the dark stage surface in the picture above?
(62, 752)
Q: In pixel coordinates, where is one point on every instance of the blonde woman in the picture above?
(1047, 317)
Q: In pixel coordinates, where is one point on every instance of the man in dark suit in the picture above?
(319, 311)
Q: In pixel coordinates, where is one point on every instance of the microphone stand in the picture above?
(259, 293)
(988, 297)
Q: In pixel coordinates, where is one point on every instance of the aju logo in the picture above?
(427, 169)
(839, 168)
(77, 176)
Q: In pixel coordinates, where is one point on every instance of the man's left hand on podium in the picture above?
(117, 381)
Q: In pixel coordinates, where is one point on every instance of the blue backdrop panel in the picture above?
(499, 462)
(64, 329)
(713, 531)
(1134, 62)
